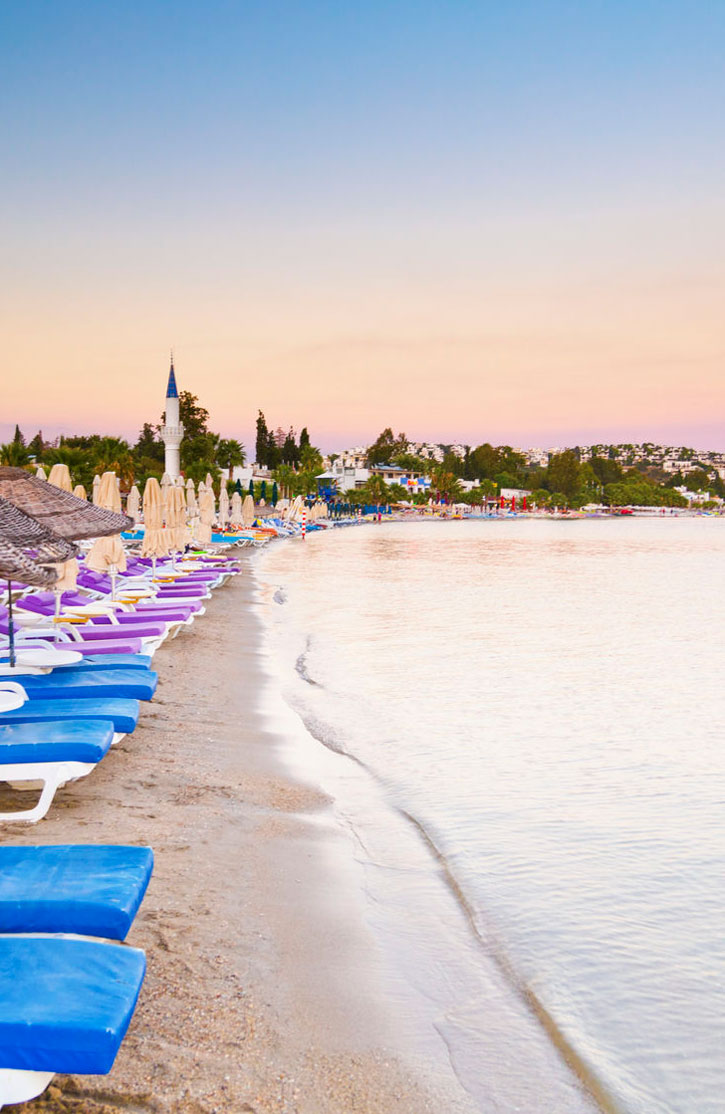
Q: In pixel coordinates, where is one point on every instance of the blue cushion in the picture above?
(122, 713)
(66, 1004)
(92, 890)
(73, 741)
(134, 684)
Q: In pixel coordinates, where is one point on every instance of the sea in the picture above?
(526, 718)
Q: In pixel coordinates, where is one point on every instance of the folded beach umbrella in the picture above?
(201, 486)
(133, 502)
(223, 516)
(235, 518)
(40, 472)
(107, 553)
(80, 492)
(96, 488)
(155, 539)
(209, 481)
(176, 519)
(191, 504)
(206, 511)
(247, 511)
(67, 572)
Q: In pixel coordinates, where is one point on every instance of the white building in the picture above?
(172, 431)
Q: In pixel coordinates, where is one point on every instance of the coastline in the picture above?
(262, 992)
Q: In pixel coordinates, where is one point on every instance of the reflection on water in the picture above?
(546, 699)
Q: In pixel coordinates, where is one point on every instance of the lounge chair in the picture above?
(135, 684)
(122, 713)
(49, 754)
(43, 659)
(89, 890)
(66, 1006)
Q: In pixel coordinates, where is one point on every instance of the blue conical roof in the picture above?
(171, 390)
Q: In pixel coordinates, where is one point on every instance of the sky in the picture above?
(470, 221)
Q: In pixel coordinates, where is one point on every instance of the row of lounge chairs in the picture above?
(68, 983)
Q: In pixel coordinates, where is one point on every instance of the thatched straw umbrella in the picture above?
(18, 533)
(62, 513)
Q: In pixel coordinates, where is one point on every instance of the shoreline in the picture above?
(262, 992)
(287, 941)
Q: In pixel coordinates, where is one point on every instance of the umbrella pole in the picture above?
(153, 567)
(113, 571)
(57, 595)
(11, 629)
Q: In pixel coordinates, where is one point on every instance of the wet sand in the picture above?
(262, 992)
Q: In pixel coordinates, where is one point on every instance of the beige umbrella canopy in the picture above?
(206, 510)
(40, 472)
(235, 518)
(191, 504)
(108, 553)
(80, 492)
(155, 539)
(209, 481)
(201, 486)
(60, 477)
(62, 513)
(68, 570)
(176, 519)
(96, 488)
(133, 502)
(166, 484)
(223, 516)
(247, 511)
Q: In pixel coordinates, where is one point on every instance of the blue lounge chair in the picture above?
(122, 713)
(66, 1006)
(49, 755)
(133, 684)
(89, 890)
(87, 663)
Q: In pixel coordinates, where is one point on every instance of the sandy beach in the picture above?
(261, 992)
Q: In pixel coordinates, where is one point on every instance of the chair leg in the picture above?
(21, 1086)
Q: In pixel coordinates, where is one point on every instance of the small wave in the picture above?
(301, 666)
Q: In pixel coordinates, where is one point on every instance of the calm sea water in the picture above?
(545, 700)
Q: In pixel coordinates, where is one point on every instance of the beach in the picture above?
(262, 991)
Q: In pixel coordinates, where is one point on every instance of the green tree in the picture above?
(386, 447)
(36, 446)
(376, 491)
(194, 417)
(15, 454)
(563, 474)
(285, 476)
(261, 447)
(445, 484)
(230, 454)
(290, 450)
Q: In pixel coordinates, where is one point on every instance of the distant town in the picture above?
(390, 470)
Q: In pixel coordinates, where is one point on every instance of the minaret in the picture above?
(172, 431)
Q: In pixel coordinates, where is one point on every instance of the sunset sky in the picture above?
(472, 221)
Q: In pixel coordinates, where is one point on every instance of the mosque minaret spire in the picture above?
(172, 431)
